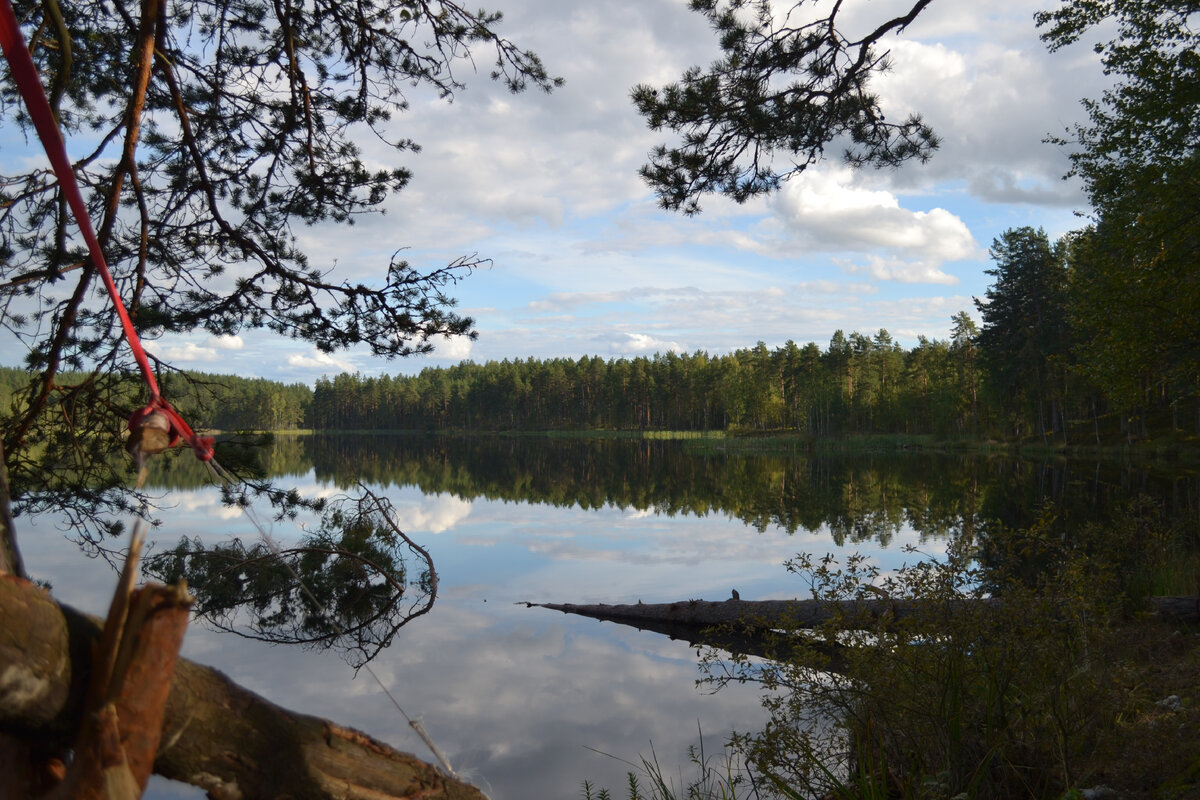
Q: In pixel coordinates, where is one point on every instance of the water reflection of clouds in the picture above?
(431, 514)
(609, 556)
(206, 503)
(515, 695)
(531, 696)
(516, 703)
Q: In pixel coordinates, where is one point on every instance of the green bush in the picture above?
(1019, 664)
(974, 682)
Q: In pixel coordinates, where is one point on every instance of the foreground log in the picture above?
(215, 735)
(799, 614)
(113, 754)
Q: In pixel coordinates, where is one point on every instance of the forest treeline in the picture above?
(860, 382)
(1044, 366)
(1093, 338)
(1076, 346)
(206, 401)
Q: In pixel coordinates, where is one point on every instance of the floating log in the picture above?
(215, 734)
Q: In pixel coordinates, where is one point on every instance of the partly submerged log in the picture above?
(744, 614)
(216, 735)
(747, 615)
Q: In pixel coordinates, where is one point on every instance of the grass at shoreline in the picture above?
(1181, 450)
(1070, 689)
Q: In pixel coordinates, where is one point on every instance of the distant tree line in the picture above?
(206, 401)
(1075, 345)
(228, 402)
(1081, 341)
(858, 383)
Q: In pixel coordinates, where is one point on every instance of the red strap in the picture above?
(202, 446)
(25, 75)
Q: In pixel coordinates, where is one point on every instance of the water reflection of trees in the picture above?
(350, 583)
(858, 498)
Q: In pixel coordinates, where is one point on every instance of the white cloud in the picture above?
(432, 514)
(188, 353)
(828, 210)
(318, 360)
(992, 103)
(226, 342)
(560, 302)
(883, 269)
(997, 186)
(635, 344)
(456, 348)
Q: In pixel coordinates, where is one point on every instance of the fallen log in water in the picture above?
(216, 735)
(800, 614)
(746, 614)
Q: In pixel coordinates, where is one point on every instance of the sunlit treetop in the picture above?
(1148, 123)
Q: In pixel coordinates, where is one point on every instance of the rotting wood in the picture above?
(215, 734)
(114, 753)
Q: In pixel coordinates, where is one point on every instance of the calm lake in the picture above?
(527, 702)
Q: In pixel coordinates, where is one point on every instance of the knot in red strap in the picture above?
(173, 425)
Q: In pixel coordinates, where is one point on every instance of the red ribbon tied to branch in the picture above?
(26, 77)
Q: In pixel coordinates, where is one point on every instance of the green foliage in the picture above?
(1021, 674)
(1148, 122)
(787, 86)
(229, 402)
(206, 401)
(1136, 293)
(1157, 554)
(248, 127)
(1135, 286)
(1008, 668)
(1024, 339)
(860, 384)
(721, 776)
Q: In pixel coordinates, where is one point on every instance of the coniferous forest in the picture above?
(1061, 357)
(1090, 339)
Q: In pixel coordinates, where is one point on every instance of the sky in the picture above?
(583, 261)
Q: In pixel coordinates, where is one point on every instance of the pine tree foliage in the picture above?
(207, 134)
(790, 83)
(1147, 123)
(1024, 339)
(1135, 275)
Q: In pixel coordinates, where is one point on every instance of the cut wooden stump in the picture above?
(215, 734)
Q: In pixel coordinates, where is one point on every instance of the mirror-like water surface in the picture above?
(521, 699)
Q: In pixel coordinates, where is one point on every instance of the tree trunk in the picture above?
(796, 614)
(215, 735)
(747, 614)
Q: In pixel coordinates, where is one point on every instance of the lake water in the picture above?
(525, 702)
